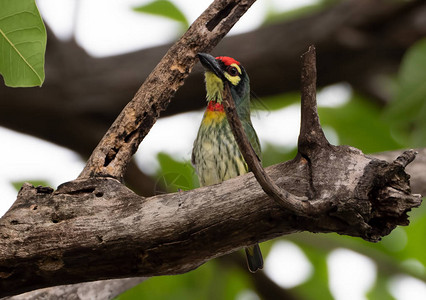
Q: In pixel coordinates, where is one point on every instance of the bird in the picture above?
(215, 154)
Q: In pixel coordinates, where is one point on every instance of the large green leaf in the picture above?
(22, 43)
(164, 8)
(407, 111)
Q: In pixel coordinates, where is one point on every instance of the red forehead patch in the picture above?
(228, 60)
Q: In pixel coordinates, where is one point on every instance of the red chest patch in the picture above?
(214, 106)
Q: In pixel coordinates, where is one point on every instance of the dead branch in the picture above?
(98, 229)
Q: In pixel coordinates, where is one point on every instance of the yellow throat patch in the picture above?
(214, 87)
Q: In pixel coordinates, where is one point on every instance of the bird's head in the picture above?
(225, 69)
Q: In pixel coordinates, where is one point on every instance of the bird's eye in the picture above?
(232, 71)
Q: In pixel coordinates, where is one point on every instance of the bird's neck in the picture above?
(214, 88)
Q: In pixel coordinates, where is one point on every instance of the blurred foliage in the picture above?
(164, 8)
(407, 111)
(211, 281)
(275, 102)
(359, 123)
(18, 184)
(273, 17)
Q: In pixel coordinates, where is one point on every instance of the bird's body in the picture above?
(215, 155)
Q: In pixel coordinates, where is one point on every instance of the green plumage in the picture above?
(215, 155)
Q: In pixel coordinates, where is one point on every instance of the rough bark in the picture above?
(98, 229)
(266, 288)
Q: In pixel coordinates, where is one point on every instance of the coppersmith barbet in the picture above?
(215, 155)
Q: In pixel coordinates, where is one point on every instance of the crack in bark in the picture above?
(222, 14)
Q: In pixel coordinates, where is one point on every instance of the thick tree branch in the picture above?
(114, 151)
(97, 229)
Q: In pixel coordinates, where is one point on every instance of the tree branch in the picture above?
(311, 133)
(283, 198)
(98, 229)
(114, 151)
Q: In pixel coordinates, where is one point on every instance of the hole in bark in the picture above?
(99, 194)
(220, 16)
(44, 189)
(55, 221)
(110, 156)
(130, 135)
(33, 207)
(99, 238)
(14, 222)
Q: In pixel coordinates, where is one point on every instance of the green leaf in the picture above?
(22, 43)
(176, 175)
(407, 111)
(163, 8)
(359, 123)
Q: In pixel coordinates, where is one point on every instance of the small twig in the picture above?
(311, 133)
(405, 158)
(286, 200)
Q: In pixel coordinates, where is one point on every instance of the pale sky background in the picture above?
(109, 27)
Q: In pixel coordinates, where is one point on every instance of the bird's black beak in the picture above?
(211, 64)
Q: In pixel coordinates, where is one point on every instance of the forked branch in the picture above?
(310, 133)
(286, 200)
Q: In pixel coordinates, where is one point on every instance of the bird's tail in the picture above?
(254, 258)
